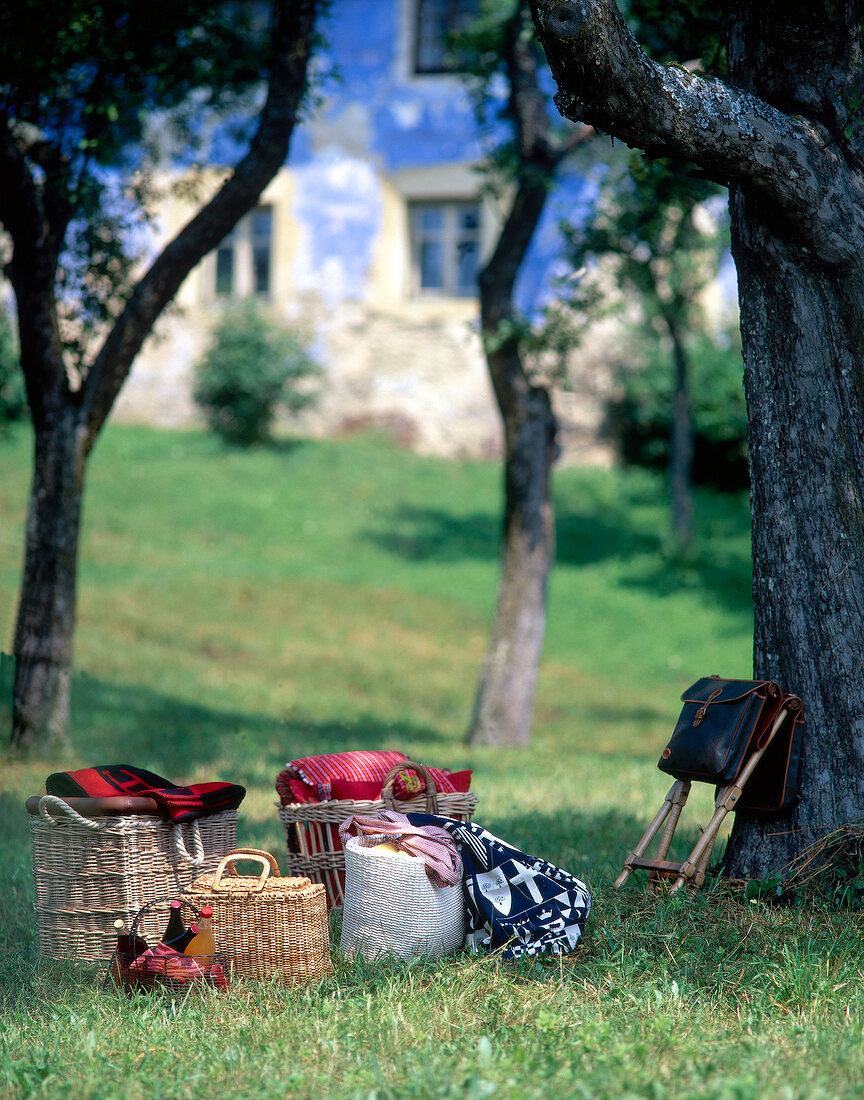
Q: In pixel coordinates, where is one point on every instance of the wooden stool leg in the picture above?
(672, 806)
(693, 868)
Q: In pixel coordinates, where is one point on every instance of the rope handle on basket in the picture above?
(389, 799)
(66, 810)
(267, 861)
(180, 848)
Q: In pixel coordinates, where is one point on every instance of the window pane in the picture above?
(431, 267)
(262, 222)
(435, 20)
(431, 28)
(261, 270)
(469, 217)
(225, 270)
(431, 218)
(466, 269)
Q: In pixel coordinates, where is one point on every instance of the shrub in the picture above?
(640, 413)
(13, 399)
(252, 368)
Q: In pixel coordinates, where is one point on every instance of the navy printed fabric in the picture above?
(514, 903)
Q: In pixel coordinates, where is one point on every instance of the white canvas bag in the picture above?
(391, 907)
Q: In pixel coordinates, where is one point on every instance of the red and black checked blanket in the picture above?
(179, 803)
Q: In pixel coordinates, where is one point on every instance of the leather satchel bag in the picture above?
(722, 723)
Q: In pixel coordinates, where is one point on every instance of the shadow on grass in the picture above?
(602, 532)
(591, 844)
(281, 445)
(129, 724)
(431, 534)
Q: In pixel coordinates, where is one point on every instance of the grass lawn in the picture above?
(240, 609)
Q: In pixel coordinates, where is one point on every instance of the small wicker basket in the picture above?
(312, 828)
(264, 925)
(89, 872)
(168, 972)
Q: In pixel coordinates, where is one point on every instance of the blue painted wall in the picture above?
(376, 119)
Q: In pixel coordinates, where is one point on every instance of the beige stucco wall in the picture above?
(413, 366)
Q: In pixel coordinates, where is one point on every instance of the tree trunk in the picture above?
(785, 134)
(681, 448)
(67, 423)
(46, 613)
(802, 329)
(803, 341)
(504, 707)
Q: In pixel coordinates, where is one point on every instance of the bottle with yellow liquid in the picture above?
(203, 945)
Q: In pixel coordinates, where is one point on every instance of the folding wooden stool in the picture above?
(767, 725)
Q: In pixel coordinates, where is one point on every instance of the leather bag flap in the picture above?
(727, 691)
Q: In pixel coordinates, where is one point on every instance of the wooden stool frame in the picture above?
(692, 869)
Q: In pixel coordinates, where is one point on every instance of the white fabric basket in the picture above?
(392, 908)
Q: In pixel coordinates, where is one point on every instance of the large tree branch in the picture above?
(35, 217)
(538, 146)
(606, 80)
(293, 32)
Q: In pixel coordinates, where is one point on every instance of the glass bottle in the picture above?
(203, 945)
(175, 929)
(129, 947)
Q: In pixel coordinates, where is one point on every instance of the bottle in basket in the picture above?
(128, 949)
(203, 945)
(175, 929)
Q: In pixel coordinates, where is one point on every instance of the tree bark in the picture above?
(802, 328)
(680, 445)
(784, 136)
(67, 423)
(46, 616)
(504, 705)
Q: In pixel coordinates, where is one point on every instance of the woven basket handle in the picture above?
(267, 861)
(389, 799)
(145, 909)
(64, 809)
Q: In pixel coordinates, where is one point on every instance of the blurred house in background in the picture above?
(370, 240)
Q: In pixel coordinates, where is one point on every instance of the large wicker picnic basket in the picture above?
(312, 828)
(265, 925)
(90, 871)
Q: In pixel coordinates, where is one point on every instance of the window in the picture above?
(445, 248)
(436, 19)
(243, 258)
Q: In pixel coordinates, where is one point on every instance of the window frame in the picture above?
(450, 236)
(454, 13)
(249, 253)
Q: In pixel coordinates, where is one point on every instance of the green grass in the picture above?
(240, 609)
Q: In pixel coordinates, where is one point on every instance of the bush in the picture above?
(640, 413)
(253, 367)
(13, 399)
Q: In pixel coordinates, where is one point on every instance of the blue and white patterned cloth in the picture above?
(515, 904)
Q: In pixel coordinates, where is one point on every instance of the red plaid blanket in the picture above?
(358, 775)
(179, 803)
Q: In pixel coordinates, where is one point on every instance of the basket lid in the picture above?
(245, 886)
(225, 881)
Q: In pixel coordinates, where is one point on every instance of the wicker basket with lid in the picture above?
(266, 925)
